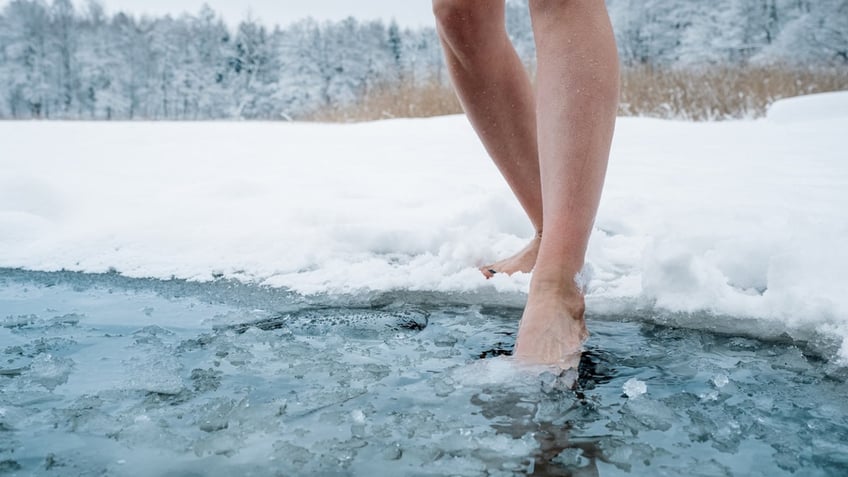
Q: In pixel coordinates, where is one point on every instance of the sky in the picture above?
(283, 12)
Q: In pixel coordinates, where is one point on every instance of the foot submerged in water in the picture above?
(523, 261)
(552, 329)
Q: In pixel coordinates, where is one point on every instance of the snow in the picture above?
(699, 221)
(810, 108)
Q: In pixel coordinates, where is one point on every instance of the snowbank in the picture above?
(810, 108)
(743, 219)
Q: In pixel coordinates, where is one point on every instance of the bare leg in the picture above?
(497, 96)
(578, 96)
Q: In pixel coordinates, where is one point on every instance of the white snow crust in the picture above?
(729, 219)
(810, 108)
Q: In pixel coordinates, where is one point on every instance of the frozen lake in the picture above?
(106, 375)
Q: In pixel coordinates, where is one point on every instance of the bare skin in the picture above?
(523, 261)
(495, 92)
(553, 156)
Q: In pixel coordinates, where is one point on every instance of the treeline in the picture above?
(687, 33)
(58, 62)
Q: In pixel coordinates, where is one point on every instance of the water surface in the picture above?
(101, 374)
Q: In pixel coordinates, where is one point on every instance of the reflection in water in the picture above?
(549, 417)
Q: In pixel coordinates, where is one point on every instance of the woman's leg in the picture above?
(495, 92)
(577, 98)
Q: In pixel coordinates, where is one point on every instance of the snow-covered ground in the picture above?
(700, 222)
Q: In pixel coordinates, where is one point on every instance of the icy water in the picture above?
(103, 375)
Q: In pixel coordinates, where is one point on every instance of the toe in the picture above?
(488, 272)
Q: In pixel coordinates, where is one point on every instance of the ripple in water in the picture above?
(105, 375)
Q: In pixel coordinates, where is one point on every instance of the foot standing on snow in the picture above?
(523, 261)
(551, 146)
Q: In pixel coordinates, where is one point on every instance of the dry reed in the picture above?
(719, 93)
(699, 95)
(401, 100)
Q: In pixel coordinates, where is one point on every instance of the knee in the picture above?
(450, 13)
(457, 18)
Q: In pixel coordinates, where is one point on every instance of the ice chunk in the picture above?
(358, 416)
(500, 370)
(69, 319)
(350, 323)
(9, 465)
(159, 374)
(634, 388)
(49, 371)
(445, 340)
(645, 413)
(720, 380)
(392, 452)
(205, 379)
(443, 386)
(19, 321)
(10, 417)
(571, 457)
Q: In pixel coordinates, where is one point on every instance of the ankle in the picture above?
(563, 289)
(554, 279)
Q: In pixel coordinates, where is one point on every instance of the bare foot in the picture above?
(552, 329)
(523, 261)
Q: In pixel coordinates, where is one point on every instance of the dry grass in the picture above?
(709, 94)
(719, 93)
(402, 100)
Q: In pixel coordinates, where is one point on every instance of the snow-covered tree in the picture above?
(818, 34)
(57, 62)
(26, 40)
(422, 58)
(255, 69)
(64, 42)
(211, 75)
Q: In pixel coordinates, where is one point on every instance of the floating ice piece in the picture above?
(18, 321)
(392, 452)
(720, 380)
(571, 457)
(158, 374)
(634, 388)
(710, 396)
(351, 323)
(49, 371)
